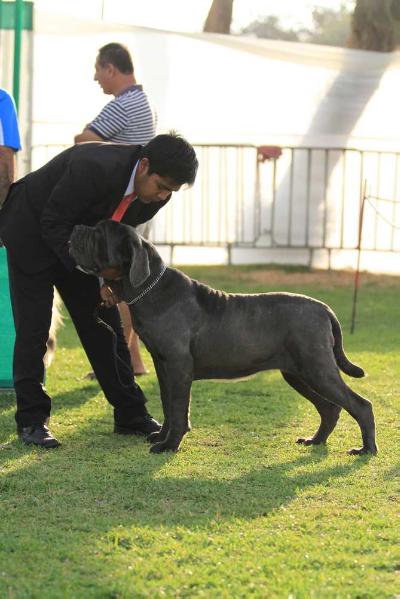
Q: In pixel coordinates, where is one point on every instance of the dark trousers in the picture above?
(32, 299)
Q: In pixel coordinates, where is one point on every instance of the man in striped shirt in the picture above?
(129, 119)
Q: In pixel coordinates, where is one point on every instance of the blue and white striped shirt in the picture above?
(129, 118)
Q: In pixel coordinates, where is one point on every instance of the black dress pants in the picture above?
(32, 300)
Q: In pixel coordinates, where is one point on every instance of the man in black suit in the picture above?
(82, 185)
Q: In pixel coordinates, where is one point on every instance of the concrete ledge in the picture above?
(284, 256)
(371, 261)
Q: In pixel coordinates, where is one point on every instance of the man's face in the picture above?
(152, 188)
(103, 75)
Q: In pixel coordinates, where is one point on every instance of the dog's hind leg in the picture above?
(328, 412)
(368, 434)
(179, 377)
(327, 382)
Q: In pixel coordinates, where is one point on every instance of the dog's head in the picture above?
(111, 250)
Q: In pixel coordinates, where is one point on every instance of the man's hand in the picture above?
(87, 135)
(109, 299)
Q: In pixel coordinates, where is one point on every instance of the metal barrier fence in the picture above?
(307, 198)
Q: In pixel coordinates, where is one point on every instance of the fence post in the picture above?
(357, 273)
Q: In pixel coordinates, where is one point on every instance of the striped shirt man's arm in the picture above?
(129, 118)
(110, 121)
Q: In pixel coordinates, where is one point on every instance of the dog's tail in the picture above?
(341, 359)
(56, 322)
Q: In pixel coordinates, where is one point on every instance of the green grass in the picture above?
(241, 510)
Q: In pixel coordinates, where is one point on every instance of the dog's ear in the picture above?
(140, 269)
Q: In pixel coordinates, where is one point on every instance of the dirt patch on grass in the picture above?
(289, 277)
(319, 278)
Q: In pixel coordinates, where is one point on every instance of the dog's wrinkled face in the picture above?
(110, 250)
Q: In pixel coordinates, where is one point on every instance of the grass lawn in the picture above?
(240, 510)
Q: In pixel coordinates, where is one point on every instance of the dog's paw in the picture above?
(307, 441)
(157, 436)
(162, 447)
(153, 437)
(363, 451)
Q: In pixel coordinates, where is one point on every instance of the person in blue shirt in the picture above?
(10, 142)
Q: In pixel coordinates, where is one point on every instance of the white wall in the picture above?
(217, 88)
(226, 89)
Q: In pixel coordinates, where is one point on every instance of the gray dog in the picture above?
(194, 332)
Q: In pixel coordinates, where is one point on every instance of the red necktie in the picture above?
(123, 207)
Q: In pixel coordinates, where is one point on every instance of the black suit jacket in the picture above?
(82, 185)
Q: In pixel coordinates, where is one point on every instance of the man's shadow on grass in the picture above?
(62, 403)
(7, 400)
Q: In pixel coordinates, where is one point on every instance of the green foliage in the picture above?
(376, 25)
(241, 510)
(330, 27)
(270, 27)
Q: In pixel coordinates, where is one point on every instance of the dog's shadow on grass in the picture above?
(137, 488)
(247, 496)
(104, 491)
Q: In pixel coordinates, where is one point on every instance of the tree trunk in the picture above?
(376, 25)
(219, 17)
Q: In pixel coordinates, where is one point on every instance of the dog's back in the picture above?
(240, 334)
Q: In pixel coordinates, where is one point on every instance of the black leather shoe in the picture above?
(142, 425)
(38, 434)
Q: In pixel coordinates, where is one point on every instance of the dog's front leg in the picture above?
(161, 371)
(179, 377)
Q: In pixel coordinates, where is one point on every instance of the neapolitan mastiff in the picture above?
(194, 332)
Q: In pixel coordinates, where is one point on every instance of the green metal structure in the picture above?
(16, 16)
(7, 332)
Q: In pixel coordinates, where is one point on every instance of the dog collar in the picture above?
(148, 288)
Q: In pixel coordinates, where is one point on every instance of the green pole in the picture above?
(18, 25)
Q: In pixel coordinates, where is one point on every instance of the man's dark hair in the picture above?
(170, 155)
(117, 55)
